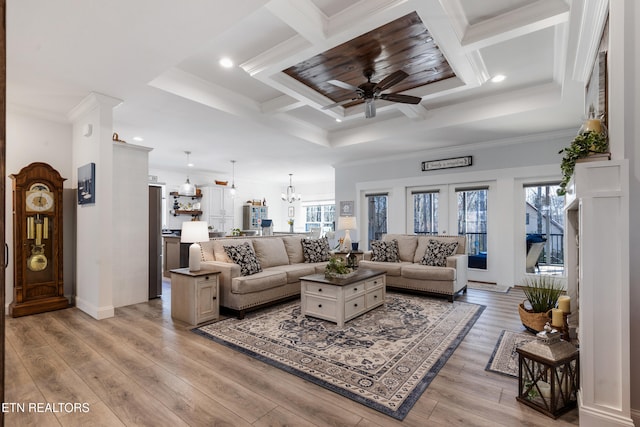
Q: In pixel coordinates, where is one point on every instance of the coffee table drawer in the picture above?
(354, 289)
(374, 283)
(354, 306)
(375, 297)
(321, 307)
(317, 289)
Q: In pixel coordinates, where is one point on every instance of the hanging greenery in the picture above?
(582, 146)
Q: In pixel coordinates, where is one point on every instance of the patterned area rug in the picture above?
(504, 359)
(383, 359)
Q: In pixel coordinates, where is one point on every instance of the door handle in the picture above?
(6, 255)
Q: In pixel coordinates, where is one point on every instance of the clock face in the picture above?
(39, 198)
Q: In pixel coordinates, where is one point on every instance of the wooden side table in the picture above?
(194, 295)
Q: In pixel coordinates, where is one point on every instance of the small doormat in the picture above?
(384, 359)
(504, 359)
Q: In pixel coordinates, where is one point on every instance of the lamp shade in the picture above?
(347, 223)
(194, 232)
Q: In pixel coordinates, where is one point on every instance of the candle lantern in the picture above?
(548, 374)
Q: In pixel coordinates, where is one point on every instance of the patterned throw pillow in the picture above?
(315, 250)
(245, 257)
(437, 253)
(385, 251)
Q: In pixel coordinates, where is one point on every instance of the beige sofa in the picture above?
(410, 274)
(282, 262)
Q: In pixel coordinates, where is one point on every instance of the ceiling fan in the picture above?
(370, 91)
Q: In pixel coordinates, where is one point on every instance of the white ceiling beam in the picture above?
(195, 89)
(457, 16)
(516, 23)
(365, 16)
(468, 66)
(414, 112)
(479, 109)
(277, 58)
(281, 104)
(301, 15)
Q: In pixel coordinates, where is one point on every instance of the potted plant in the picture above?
(336, 268)
(542, 294)
(583, 145)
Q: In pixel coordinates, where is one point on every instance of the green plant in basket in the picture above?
(336, 266)
(542, 292)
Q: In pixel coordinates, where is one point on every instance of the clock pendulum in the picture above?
(38, 259)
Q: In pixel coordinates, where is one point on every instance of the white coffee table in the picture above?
(340, 300)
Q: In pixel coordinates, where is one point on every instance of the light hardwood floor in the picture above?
(143, 368)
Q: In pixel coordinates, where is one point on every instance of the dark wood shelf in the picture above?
(192, 213)
(176, 195)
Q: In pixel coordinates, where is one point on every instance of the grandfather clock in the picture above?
(37, 241)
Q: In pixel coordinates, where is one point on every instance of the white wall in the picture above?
(504, 167)
(34, 139)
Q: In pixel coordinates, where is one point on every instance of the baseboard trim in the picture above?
(97, 313)
(635, 416)
(594, 417)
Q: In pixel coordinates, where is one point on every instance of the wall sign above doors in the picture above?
(456, 162)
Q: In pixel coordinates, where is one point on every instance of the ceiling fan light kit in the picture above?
(369, 92)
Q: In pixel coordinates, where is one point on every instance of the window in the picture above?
(321, 215)
(425, 212)
(376, 215)
(544, 228)
(472, 222)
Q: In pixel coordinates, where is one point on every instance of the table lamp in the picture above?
(194, 232)
(346, 223)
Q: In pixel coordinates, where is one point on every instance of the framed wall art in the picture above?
(346, 208)
(87, 184)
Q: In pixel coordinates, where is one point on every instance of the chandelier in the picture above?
(291, 195)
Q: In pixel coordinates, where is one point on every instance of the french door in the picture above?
(460, 209)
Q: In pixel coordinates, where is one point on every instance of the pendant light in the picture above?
(187, 189)
(291, 195)
(232, 190)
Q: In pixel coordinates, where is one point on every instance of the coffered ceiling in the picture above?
(267, 112)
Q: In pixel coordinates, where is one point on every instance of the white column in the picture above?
(92, 121)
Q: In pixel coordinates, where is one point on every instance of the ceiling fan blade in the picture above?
(391, 79)
(337, 104)
(405, 99)
(343, 85)
(369, 109)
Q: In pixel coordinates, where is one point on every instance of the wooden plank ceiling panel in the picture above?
(404, 44)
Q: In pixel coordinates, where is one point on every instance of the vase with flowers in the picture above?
(290, 222)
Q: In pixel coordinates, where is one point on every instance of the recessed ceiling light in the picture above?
(339, 120)
(498, 78)
(226, 62)
(138, 138)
